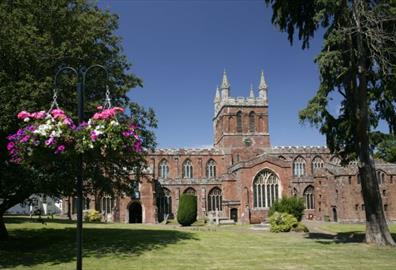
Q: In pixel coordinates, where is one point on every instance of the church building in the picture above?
(242, 175)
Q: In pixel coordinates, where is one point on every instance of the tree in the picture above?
(357, 62)
(187, 212)
(36, 38)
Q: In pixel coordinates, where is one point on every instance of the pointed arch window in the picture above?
(335, 160)
(106, 204)
(317, 163)
(215, 200)
(265, 189)
(211, 169)
(163, 169)
(187, 169)
(309, 197)
(299, 166)
(190, 191)
(380, 177)
(164, 203)
(239, 121)
(252, 122)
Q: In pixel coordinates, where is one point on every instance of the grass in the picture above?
(125, 246)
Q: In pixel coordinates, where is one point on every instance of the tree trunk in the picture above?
(3, 229)
(68, 209)
(377, 231)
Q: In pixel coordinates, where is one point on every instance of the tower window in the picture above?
(239, 121)
(211, 169)
(252, 122)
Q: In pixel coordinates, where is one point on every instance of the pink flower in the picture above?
(23, 115)
(39, 115)
(94, 135)
(25, 138)
(118, 109)
(50, 141)
(99, 107)
(10, 146)
(60, 149)
(58, 113)
(68, 121)
(138, 146)
(126, 133)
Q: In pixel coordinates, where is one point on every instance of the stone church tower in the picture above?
(241, 124)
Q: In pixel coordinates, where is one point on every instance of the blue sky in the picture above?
(180, 49)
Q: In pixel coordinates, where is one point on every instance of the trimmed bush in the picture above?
(282, 222)
(187, 212)
(92, 215)
(300, 228)
(292, 205)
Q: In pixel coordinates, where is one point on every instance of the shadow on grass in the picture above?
(30, 247)
(340, 238)
(46, 219)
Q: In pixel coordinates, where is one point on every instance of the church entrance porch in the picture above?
(135, 212)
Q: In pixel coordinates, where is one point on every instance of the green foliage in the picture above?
(282, 222)
(187, 212)
(92, 215)
(36, 38)
(291, 205)
(300, 228)
(386, 148)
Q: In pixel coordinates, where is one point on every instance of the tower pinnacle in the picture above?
(217, 96)
(225, 87)
(251, 92)
(263, 87)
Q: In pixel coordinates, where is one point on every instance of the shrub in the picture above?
(292, 205)
(282, 222)
(92, 215)
(300, 228)
(187, 212)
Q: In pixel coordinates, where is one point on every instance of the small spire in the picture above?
(225, 83)
(263, 83)
(217, 96)
(251, 92)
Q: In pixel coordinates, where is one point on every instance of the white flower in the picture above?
(27, 119)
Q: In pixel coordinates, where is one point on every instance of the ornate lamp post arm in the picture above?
(80, 176)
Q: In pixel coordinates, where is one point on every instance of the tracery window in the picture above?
(164, 203)
(106, 204)
(335, 160)
(187, 169)
(190, 191)
(211, 169)
(163, 169)
(239, 121)
(265, 189)
(252, 122)
(309, 197)
(317, 163)
(299, 167)
(215, 200)
(380, 177)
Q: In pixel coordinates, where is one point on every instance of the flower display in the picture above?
(103, 131)
(54, 133)
(43, 132)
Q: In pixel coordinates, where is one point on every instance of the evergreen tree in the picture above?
(357, 62)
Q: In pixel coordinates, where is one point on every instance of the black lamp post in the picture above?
(81, 76)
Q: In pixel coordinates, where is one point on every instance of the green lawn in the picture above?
(125, 246)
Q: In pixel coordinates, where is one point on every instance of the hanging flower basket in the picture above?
(46, 136)
(43, 134)
(106, 134)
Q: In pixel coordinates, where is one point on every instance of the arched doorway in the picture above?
(135, 212)
(335, 218)
(234, 214)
